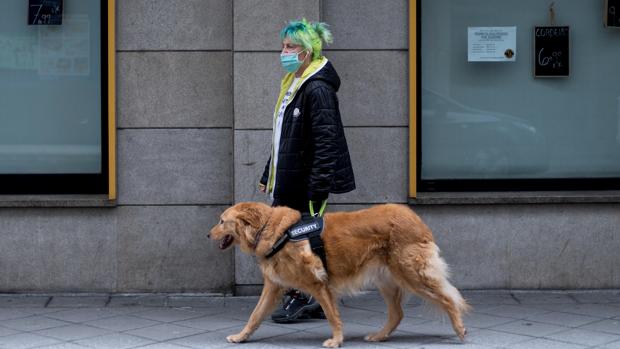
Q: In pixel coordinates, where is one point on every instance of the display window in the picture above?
(514, 96)
(57, 97)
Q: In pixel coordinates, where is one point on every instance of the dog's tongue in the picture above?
(226, 241)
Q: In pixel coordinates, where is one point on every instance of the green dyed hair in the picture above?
(310, 35)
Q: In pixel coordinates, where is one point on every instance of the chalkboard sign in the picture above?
(612, 13)
(551, 51)
(44, 12)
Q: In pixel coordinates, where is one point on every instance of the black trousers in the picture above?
(300, 205)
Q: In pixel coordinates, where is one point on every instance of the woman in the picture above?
(309, 153)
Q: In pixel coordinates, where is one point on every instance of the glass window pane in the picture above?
(50, 91)
(495, 120)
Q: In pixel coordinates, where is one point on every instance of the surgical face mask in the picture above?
(290, 61)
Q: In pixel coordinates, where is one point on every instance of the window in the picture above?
(481, 126)
(55, 95)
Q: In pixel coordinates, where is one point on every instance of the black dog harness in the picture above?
(308, 228)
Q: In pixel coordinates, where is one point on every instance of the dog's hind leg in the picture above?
(426, 275)
(266, 303)
(392, 295)
(324, 296)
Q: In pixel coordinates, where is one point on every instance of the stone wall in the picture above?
(196, 85)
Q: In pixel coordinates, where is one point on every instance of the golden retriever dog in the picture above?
(386, 245)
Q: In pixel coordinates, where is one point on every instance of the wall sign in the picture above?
(491, 44)
(551, 51)
(44, 12)
(612, 13)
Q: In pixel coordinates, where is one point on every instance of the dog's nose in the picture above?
(208, 235)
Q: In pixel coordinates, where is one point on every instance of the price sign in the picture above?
(551, 51)
(44, 12)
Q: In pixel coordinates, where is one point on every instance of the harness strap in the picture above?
(316, 244)
(277, 246)
(298, 233)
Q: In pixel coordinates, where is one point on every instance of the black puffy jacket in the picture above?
(313, 157)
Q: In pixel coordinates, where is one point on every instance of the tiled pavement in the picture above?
(500, 319)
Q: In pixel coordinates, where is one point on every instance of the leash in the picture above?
(320, 213)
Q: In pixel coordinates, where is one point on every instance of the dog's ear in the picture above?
(284, 218)
(250, 214)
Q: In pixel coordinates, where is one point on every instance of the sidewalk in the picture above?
(500, 319)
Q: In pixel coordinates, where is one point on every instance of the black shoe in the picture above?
(297, 306)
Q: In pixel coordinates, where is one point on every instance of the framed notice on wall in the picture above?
(491, 44)
(551, 51)
(612, 13)
(44, 12)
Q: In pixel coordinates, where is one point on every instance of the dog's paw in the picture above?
(236, 338)
(376, 337)
(332, 343)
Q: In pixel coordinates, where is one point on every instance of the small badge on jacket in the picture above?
(296, 112)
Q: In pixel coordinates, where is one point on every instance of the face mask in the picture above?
(290, 61)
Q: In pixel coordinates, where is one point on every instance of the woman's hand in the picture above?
(262, 187)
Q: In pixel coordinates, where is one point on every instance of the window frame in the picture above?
(418, 185)
(105, 181)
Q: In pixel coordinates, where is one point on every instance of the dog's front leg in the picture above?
(266, 303)
(328, 302)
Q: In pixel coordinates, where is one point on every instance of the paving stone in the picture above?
(297, 340)
(64, 346)
(480, 297)
(18, 301)
(164, 332)
(72, 332)
(613, 345)
(115, 340)
(439, 329)
(169, 314)
(540, 343)
(122, 323)
(144, 300)
(495, 338)
(603, 296)
(497, 325)
(86, 314)
(514, 311)
(190, 301)
(78, 301)
(594, 310)
(163, 346)
(608, 326)
(25, 340)
(529, 328)
(484, 321)
(584, 337)
(204, 340)
(563, 319)
(33, 323)
(7, 331)
(545, 298)
(9, 313)
(406, 324)
(301, 325)
(210, 323)
(400, 339)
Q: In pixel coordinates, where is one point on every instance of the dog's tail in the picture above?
(438, 270)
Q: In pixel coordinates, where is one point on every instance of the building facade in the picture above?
(195, 86)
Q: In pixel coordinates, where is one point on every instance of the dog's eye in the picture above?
(221, 221)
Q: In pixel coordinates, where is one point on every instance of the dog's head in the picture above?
(241, 223)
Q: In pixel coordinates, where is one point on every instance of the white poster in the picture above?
(491, 44)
